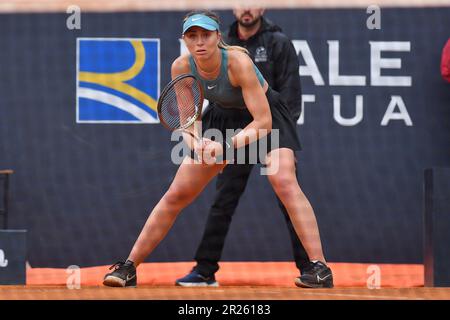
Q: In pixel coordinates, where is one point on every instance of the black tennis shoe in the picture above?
(316, 275)
(124, 275)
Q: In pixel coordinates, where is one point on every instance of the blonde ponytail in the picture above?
(225, 46)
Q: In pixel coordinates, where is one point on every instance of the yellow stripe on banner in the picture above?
(116, 80)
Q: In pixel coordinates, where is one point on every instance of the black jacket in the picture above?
(275, 56)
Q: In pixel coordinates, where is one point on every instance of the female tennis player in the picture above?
(243, 99)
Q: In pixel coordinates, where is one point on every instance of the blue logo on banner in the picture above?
(118, 80)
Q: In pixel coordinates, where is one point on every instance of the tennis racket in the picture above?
(180, 104)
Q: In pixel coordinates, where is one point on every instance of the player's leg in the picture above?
(281, 168)
(190, 179)
(300, 256)
(230, 185)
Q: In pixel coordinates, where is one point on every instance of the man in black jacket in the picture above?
(275, 57)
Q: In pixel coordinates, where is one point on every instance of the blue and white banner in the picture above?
(117, 80)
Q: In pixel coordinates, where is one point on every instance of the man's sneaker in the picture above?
(124, 275)
(195, 279)
(316, 275)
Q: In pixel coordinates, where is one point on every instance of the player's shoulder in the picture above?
(239, 59)
(240, 65)
(181, 64)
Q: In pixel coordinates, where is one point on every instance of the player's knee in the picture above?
(178, 197)
(284, 185)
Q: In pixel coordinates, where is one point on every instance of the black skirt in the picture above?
(222, 119)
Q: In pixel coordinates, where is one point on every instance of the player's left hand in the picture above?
(211, 150)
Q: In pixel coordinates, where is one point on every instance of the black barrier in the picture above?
(436, 227)
(4, 196)
(13, 251)
(84, 189)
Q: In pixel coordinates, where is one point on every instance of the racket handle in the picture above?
(192, 135)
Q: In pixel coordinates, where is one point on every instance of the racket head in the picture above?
(181, 102)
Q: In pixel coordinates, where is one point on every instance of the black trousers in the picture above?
(230, 185)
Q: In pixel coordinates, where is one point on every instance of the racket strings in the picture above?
(181, 104)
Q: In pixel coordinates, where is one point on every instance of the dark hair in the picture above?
(215, 17)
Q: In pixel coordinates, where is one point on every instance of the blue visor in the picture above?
(202, 21)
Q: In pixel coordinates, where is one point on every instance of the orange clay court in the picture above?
(238, 281)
